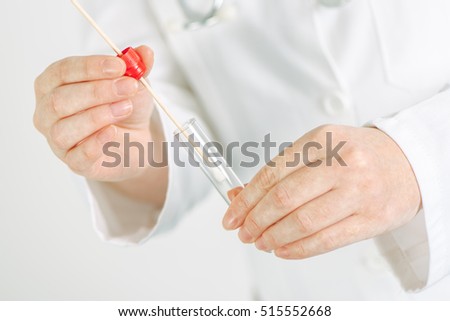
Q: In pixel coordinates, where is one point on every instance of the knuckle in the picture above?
(56, 103)
(242, 201)
(95, 118)
(355, 231)
(96, 91)
(37, 122)
(92, 67)
(253, 227)
(301, 250)
(270, 240)
(328, 242)
(101, 91)
(93, 172)
(63, 69)
(321, 211)
(73, 162)
(281, 196)
(357, 158)
(267, 177)
(76, 167)
(89, 67)
(81, 161)
(58, 138)
(304, 223)
(89, 154)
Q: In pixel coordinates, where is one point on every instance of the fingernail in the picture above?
(282, 252)
(121, 108)
(106, 135)
(113, 66)
(244, 235)
(229, 223)
(261, 245)
(126, 86)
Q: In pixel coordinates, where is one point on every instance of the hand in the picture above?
(314, 207)
(84, 102)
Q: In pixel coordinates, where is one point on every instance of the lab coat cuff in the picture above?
(173, 207)
(423, 134)
(121, 221)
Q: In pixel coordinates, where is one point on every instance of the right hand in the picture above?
(83, 103)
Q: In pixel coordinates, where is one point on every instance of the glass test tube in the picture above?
(205, 154)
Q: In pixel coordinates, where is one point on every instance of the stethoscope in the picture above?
(197, 19)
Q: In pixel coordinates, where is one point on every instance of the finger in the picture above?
(84, 157)
(79, 69)
(147, 55)
(293, 191)
(350, 230)
(281, 166)
(68, 132)
(71, 99)
(308, 219)
(232, 193)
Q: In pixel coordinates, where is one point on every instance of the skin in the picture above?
(297, 212)
(83, 103)
(303, 211)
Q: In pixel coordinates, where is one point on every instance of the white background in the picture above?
(48, 249)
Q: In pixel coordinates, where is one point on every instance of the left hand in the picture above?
(322, 204)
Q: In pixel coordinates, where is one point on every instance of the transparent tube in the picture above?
(207, 155)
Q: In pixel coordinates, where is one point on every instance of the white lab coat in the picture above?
(285, 67)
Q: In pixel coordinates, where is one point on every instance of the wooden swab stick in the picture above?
(96, 27)
(158, 101)
(217, 172)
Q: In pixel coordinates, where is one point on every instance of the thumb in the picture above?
(147, 55)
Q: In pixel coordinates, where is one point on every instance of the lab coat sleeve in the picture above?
(423, 133)
(116, 218)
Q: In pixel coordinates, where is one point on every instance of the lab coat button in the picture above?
(336, 103)
(333, 3)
